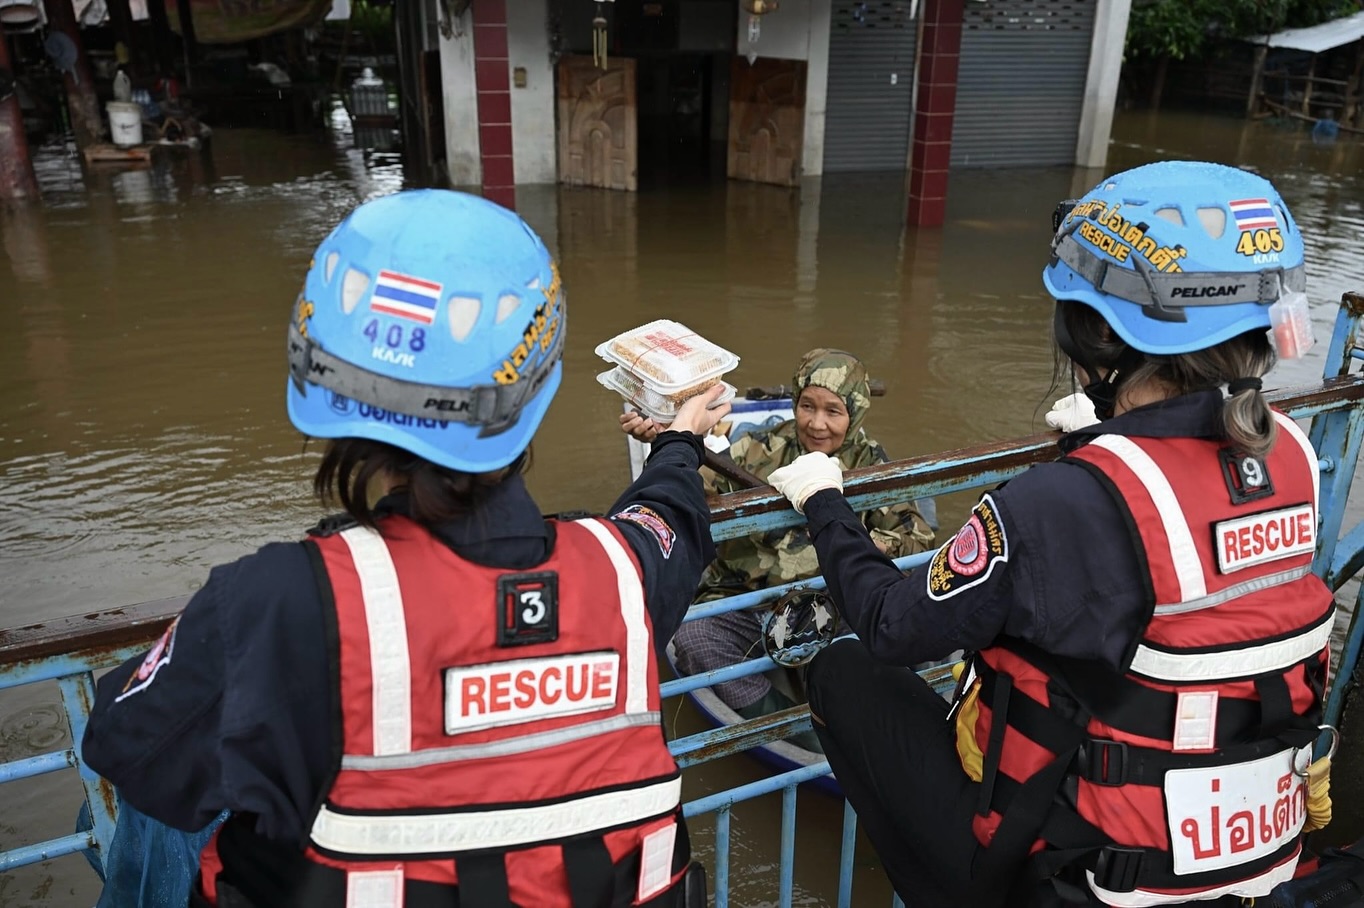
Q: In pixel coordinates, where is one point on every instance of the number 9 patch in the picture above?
(527, 608)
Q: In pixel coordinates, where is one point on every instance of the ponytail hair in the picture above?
(1247, 422)
(1246, 418)
(436, 495)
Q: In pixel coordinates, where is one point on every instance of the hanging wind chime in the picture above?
(599, 35)
(756, 9)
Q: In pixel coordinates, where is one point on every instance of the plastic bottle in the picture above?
(123, 86)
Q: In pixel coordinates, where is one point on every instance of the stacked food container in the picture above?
(659, 366)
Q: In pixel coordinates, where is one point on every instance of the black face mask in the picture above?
(1102, 392)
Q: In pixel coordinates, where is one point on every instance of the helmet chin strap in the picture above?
(1101, 391)
(1103, 394)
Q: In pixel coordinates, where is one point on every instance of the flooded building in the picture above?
(621, 96)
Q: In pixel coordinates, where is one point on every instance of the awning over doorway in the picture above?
(1317, 38)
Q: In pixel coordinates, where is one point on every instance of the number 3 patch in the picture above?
(527, 608)
(970, 557)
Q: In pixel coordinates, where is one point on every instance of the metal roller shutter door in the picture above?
(1021, 82)
(867, 119)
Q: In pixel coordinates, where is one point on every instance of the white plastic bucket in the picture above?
(125, 123)
(21, 15)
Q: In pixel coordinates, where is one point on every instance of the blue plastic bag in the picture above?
(150, 865)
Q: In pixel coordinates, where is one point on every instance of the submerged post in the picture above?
(17, 182)
(81, 102)
(1257, 73)
(162, 38)
(189, 43)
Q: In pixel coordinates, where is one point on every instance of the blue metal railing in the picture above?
(30, 655)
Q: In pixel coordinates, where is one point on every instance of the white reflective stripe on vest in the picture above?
(631, 594)
(1313, 463)
(389, 664)
(506, 747)
(1183, 554)
(1254, 887)
(1235, 591)
(1242, 662)
(468, 830)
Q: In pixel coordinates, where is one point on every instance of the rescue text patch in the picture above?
(969, 557)
(650, 519)
(505, 693)
(1265, 537)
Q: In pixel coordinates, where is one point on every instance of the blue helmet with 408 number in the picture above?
(433, 321)
(1178, 256)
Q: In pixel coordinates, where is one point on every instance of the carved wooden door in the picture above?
(766, 120)
(597, 125)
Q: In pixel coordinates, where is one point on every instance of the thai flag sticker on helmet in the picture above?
(1253, 214)
(405, 296)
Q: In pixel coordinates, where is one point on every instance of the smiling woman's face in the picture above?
(821, 420)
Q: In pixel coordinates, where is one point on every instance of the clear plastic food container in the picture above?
(651, 403)
(670, 358)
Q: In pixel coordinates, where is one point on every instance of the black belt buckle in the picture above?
(1102, 762)
(1118, 867)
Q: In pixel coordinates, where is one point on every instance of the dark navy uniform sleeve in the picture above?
(1047, 558)
(153, 730)
(238, 713)
(665, 518)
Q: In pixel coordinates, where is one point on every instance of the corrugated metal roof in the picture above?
(1318, 38)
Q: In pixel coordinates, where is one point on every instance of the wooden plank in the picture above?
(598, 126)
(89, 632)
(766, 120)
(105, 153)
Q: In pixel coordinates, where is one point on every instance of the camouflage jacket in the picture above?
(782, 556)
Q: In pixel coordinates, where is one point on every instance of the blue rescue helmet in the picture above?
(1178, 256)
(433, 321)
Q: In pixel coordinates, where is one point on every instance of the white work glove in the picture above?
(805, 476)
(1074, 411)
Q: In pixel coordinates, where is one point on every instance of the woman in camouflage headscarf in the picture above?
(831, 398)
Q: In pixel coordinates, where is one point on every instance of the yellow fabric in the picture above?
(1318, 794)
(968, 751)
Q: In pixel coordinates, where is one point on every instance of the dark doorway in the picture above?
(679, 141)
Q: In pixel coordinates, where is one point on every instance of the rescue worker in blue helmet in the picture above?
(1148, 644)
(439, 697)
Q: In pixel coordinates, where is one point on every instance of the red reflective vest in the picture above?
(500, 730)
(1178, 778)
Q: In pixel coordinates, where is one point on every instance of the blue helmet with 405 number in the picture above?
(1178, 256)
(433, 321)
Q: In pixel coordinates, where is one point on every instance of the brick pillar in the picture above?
(17, 182)
(934, 107)
(492, 78)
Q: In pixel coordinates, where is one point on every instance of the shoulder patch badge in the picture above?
(968, 558)
(156, 657)
(650, 520)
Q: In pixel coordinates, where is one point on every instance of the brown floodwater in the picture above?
(143, 436)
